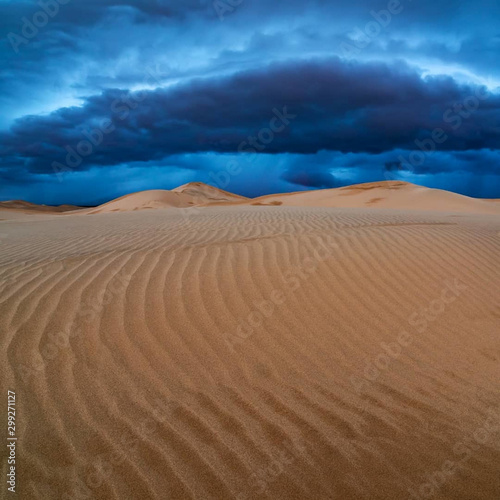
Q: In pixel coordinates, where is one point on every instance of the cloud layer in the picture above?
(107, 86)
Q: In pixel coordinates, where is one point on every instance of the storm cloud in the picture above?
(385, 89)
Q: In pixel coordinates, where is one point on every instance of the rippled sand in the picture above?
(253, 352)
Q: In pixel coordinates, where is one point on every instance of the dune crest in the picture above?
(142, 200)
(193, 194)
(384, 194)
(205, 194)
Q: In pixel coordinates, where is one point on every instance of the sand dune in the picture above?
(253, 352)
(205, 194)
(157, 198)
(27, 206)
(386, 194)
(188, 195)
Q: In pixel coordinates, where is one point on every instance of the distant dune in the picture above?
(244, 351)
(188, 195)
(386, 194)
(143, 200)
(204, 193)
(32, 207)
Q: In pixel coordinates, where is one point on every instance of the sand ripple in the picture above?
(254, 352)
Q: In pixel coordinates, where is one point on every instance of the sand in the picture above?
(193, 194)
(203, 194)
(385, 194)
(244, 352)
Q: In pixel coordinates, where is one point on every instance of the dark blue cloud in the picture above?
(294, 107)
(176, 79)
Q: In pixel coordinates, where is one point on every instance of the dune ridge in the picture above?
(26, 206)
(240, 352)
(383, 194)
(205, 193)
(188, 195)
(156, 198)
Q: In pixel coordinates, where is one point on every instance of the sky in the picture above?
(101, 98)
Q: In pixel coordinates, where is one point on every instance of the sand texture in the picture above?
(244, 352)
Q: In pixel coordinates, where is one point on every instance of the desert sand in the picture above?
(192, 344)
(385, 194)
